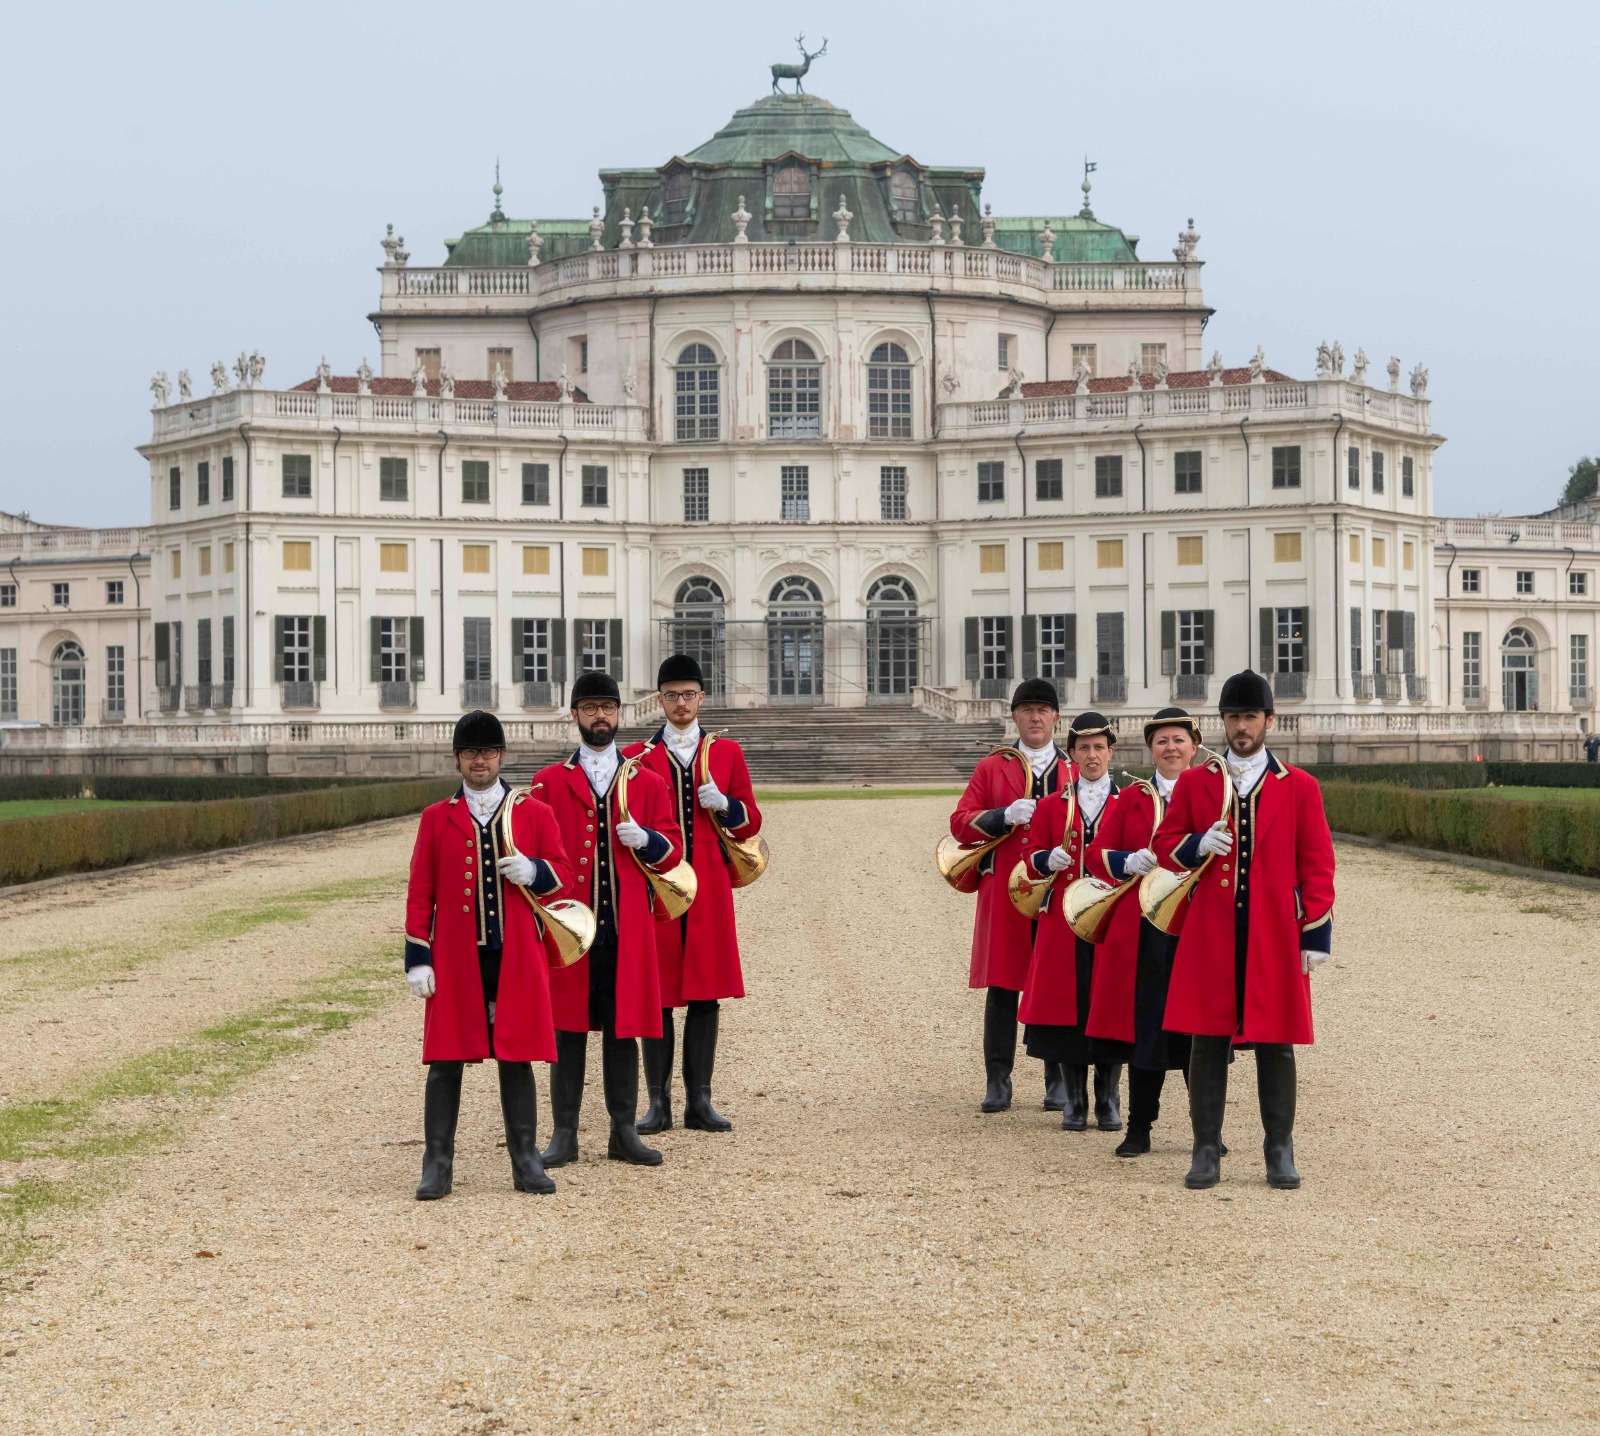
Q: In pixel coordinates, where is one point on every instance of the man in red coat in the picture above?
(1259, 919)
(1000, 798)
(480, 960)
(699, 953)
(614, 990)
(1055, 1003)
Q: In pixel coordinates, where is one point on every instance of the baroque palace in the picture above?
(804, 406)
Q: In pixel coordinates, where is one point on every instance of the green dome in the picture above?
(777, 124)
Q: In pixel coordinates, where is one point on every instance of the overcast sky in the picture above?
(180, 182)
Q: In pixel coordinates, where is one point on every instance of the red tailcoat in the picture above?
(1051, 996)
(1127, 827)
(1001, 937)
(1284, 853)
(699, 954)
(566, 789)
(442, 901)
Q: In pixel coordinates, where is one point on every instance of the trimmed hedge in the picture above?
(1544, 775)
(164, 787)
(1406, 775)
(33, 848)
(61, 785)
(1558, 835)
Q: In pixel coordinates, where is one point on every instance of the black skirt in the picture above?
(1068, 1045)
(1152, 1048)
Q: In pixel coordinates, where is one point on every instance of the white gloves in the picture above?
(1059, 860)
(1141, 862)
(631, 835)
(1309, 961)
(1021, 811)
(712, 797)
(420, 981)
(1216, 840)
(517, 869)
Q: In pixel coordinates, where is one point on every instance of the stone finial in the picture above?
(401, 253)
(1358, 374)
(185, 387)
(645, 223)
(1419, 382)
(1393, 368)
(499, 381)
(419, 380)
(936, 220)
(1089, 167)
(447, 383)
(535, 244)
(160, 389)
(1187, 240)
(988, 227)
(741, 222)
(324, 377)
(219, 377)
(497, 215)
(364, 378)
(955, 227)
(1214, 368)
(1047, 244)
(842, 218)
(597, 229)
(390, 245)
(625, 229)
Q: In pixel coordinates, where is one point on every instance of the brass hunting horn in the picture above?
(1163, 893)
(1087, 903)
(1027, 893)
(957, 861)
(747, 857)
(675, 888)
(569, 923)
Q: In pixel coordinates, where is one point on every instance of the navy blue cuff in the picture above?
(735, 816)
(544, 877)
(1117, 865)
(1189, 854)
(1318, 938)
(1039, 862)
(418, 955)
(656, 849)
(993, 822)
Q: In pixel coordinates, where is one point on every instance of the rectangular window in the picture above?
(203, 555)
(1286, 466)
(1471, 667)
(8, 683)
(474, 481)
(1058, 656)
(892, 493)
(476, 664)
(1047, 482)
(794, 400)
(1578, 677)
(393, 479)
(994, 648)
(1191, 550)
(1109, 656)
(991, 558)
(1108, 476)
(1289, 640)
(583, 353)
(697, 496)
(113, 590)
(227, 480)
(1052, 556)
(791, 192)
(394, 650)
(297, 555)
(794, 493)
(297, 476)
(1377, 471)
(533, 648)
(502, 360)
(1578, 584)
(1003, 353)
(1286, 547)
(695, 392)
(1355, 645)
(202, 652)
(1408, 479)
(8, 595)
(1472, 580)
(889, 401)
(176, 558)
(595, 488)
(61, 595)
(174, 488)
(227, 557)
(1524, 580)
(1380, 552)
(596, 562)
(594, 646)
(991, 482)
(474, 558)
(1194, 641)
(202, 483)
(227, 648)
(295, 653)
(1186, 471)
(116, 681)
(1355, 548)
(535, 558)
(1408, 556)
(1151, 356)
(1083, 356)
(536, 483)
(428, 360)
(394, 558)
(1108, 553)
(1353, 467)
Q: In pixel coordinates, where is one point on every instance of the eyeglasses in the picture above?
(476, 755)
(680, 695)
(598, 710)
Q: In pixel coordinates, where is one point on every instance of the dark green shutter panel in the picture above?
(969, 649)
(1030, 645)
(1408, 641)
(376, 639)
(1072, 645)
(1010, 646)
(558, 650)
(1305, 638)
(163, 655)
(1209, 628)
(419, 666)
(1169, 641)
(614, 648)
(278, 627)
(1265, 663)
(319, 648)
(518, 662)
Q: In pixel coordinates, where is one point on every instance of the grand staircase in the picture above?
(883, 746)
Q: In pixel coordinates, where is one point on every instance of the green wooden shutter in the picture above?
(1072, 645)
(558, 651)
(419, 666)
(375, 638)
(319, 648)
(1305, 637)
(279, 625)
(1408, 641)
(969, 649)
(518, 661)
(1267, 658)
(1030, 645)
(1209, 628)
(1010, 646)
(614, 648)
(1169, 641)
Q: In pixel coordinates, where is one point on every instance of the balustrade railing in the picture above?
(1291, 687)
(397, 694)
(299, 695)
(1190, 687)
(479, 693)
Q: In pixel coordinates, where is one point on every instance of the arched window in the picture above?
(1519, 670)
(893, 633)
(791, 193)
(795, 641)
(699, 628)
(697, 394)
(794, 392)
(66, 684)
(698, 593)
(889, 393)
(903, 204)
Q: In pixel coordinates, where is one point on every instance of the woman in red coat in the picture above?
(1260, 918)
(615, 989)
(480, 958)
(699, 953)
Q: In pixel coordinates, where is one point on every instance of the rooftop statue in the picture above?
(160, 389)
(797, 72)
(219, 378)
(185, 387)
(1358, 375)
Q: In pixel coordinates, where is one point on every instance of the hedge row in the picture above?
(163, 787)
(1562, 836)
(1405, 775)
(1544, 775)
(32, 848)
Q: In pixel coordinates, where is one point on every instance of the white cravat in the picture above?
(1246, 772)
(599, 765)
(1164, 786)
(1039, 759)
(1092, 796)
(682, 743)
(482, 804)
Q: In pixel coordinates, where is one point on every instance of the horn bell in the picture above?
(1027, 893)
(1088, 904)
(1163, 894)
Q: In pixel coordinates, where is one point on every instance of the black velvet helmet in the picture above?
(478, 729)
(1246, 692)
(588, 687)
(1090, 725)
(1036, 690)
(679, 668)
(1171, 718)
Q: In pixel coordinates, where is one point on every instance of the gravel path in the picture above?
(865, 1252)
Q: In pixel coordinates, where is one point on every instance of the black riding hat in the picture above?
(1036, 690)
(593, 685)
(1246, 692)
(478, 729)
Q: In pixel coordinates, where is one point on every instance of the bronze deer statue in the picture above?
(796, 72)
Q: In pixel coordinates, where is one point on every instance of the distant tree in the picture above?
(1582, 481)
